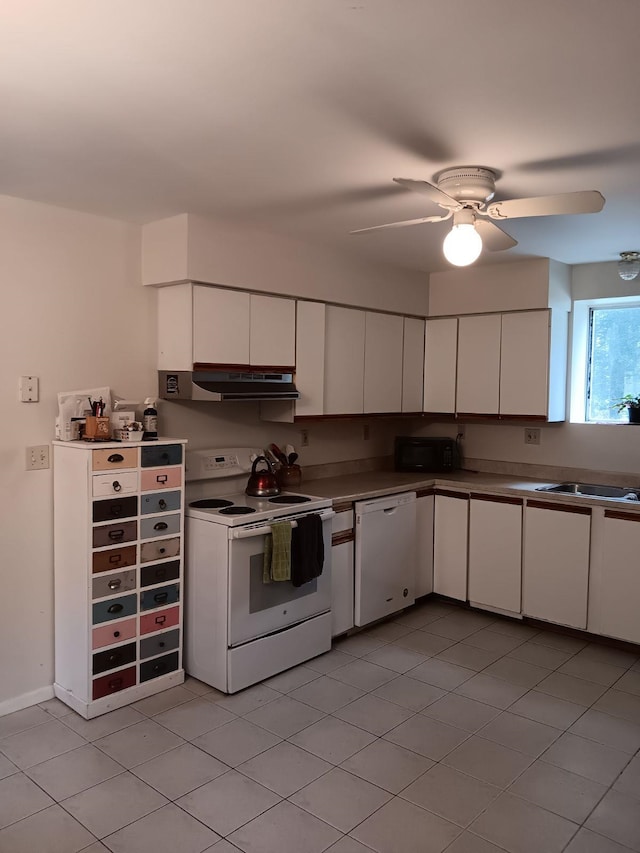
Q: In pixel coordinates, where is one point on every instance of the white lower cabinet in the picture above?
(556, 563)
(342, 567)
(495, 552)
(614, 603)
(450, 539)
(424, 543)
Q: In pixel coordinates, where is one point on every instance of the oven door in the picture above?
(257, 608)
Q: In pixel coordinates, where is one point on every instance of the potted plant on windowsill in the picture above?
(632, 405)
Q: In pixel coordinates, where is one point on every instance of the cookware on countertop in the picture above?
(262, 484)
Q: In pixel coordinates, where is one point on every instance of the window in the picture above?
(605, 357)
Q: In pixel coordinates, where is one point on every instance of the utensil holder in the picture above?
(97, 429)
(289, 476)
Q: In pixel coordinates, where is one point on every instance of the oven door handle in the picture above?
(247, 533)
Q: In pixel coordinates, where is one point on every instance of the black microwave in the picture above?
(412, 453)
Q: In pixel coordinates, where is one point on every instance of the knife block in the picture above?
(289, 476)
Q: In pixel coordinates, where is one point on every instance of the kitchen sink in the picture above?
(615, 493)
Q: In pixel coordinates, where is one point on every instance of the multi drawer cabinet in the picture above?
(118, 533)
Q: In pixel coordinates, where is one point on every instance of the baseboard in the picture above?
(26, 700)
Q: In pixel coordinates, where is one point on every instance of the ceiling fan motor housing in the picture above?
(467, 183)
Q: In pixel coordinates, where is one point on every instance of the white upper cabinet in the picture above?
(478, 382)
(221, 324)
(310, 349)
(524, 366)
(344, 361)
(272, 335)
(440, 358)
(383, 358)
(412, 365)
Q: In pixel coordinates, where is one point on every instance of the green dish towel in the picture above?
(277, 553)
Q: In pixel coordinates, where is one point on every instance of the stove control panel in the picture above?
(220, 462)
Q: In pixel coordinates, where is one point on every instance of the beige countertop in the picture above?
(372, 484)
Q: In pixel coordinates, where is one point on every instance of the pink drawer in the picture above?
(108, 635)
(159, 619)
(161, 478)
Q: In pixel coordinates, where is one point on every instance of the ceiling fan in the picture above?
(465, 193)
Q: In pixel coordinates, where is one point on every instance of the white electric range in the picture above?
(238, 629)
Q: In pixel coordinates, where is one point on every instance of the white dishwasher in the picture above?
(385, 568)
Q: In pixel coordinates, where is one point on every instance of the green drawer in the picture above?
(114, 608)
(167, 454)
(166, 502)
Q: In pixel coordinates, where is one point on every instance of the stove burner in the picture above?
(237, 510)
(210, 503)
(289, 499)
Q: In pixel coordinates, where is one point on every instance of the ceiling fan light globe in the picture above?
(462, 245)
(629, 265)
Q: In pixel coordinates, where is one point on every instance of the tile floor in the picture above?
(443, 729)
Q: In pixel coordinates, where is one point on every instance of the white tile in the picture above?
(520, 733)
(194, 718)
(20, 721)
(620, 704)
(51, 830)
(326, 694)
(550, 710)
(456, 628)
(617, 817)
(402, 827)
(451, 794)
(362, 674)
(38, 744)
(559, 641)
(396, 658)
(470, 843)
(74, 771)
(418, 617)
(424, 643)
(585, 841)
(198, 688)
(559, 791)
(491, 690)
(461, 712)
(373, 714)
(19, 798)
(630, 682)
(55, 708)
(493, 641)
(388, 631)
(332, 739)
(629, 780)
(441, 674)
(179, 771)
(285, 768)
(538, 655)
(286, 829)
(592, 670)
(228, 802)
(104, 725)
(165, 831)
(348, 845)
(128, 799)
(247, 700)
(522, 827)
(586, 758)
(609, 654)
(611, 731)
(163, 701)
(359, 645)
(514, 628)
(284, 716)
(488, 761)
(329, 661)
(427, 737)
(7, 768)
(341, 799)
(137, 744)
(517, 671)
(287, 681)
(469, 657)
(409, 693)
(236, 742)
(387, 765)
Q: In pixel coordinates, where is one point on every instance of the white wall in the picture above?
(73, 314)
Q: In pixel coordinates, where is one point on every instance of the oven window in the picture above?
(263, 596)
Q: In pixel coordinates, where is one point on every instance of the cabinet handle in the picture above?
(115, 684)
(115, 608)
(115, 558)
(162, 503)
(161, 597)
(161, 525)
(161, 645)
(161, 550)
(116, 486)
(116, 633)
(159, 667)
(116, 535)
(160, 620)
(161, 573)
(115, 457)
(161, 478)
(116, 510)
(115, 584)
(113, 658)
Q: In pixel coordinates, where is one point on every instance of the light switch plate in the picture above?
(37, 457)
(29, 389)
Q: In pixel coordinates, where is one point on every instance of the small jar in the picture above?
(289, 476)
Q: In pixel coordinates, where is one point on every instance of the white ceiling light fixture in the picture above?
(463, 244)
(629, 265)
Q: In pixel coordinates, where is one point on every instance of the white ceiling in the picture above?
(296, 114)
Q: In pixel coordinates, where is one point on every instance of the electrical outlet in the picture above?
(461, 428)
(532, 435)
(365, 432)
(29, 389)
(304, 438)
(37, 457)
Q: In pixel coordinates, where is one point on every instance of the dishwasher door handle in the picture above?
(390, 510)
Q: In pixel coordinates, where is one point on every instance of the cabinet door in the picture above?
(450, 537)
(412, 365)
(341, 588)
(495, 553)
(344, 361)
(424, 545)
(272, 339)
(440, 345)
(220, 326)
(617, 606)
(383, 362)
(310, 347)
(478, 364)
(556, 563)
(524, 365)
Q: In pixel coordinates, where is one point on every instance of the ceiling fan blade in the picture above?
(493, 238)
(588, 201)
(433, 192)
(402, 224)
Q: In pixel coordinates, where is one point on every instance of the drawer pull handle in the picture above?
(113, 658)
(116, 535)
(162, 478)
(115, 684)
(159, 667)
(161, 645)
(160, 620)
(115, 583)
(161, 550)
(164, 455)
(115, 608)
(161, 525)
(115, 558)
(116, 633)
(116, 510)
(116, 486)
(162, 503)
(161, 574)
(115, 457)
(161, 597)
